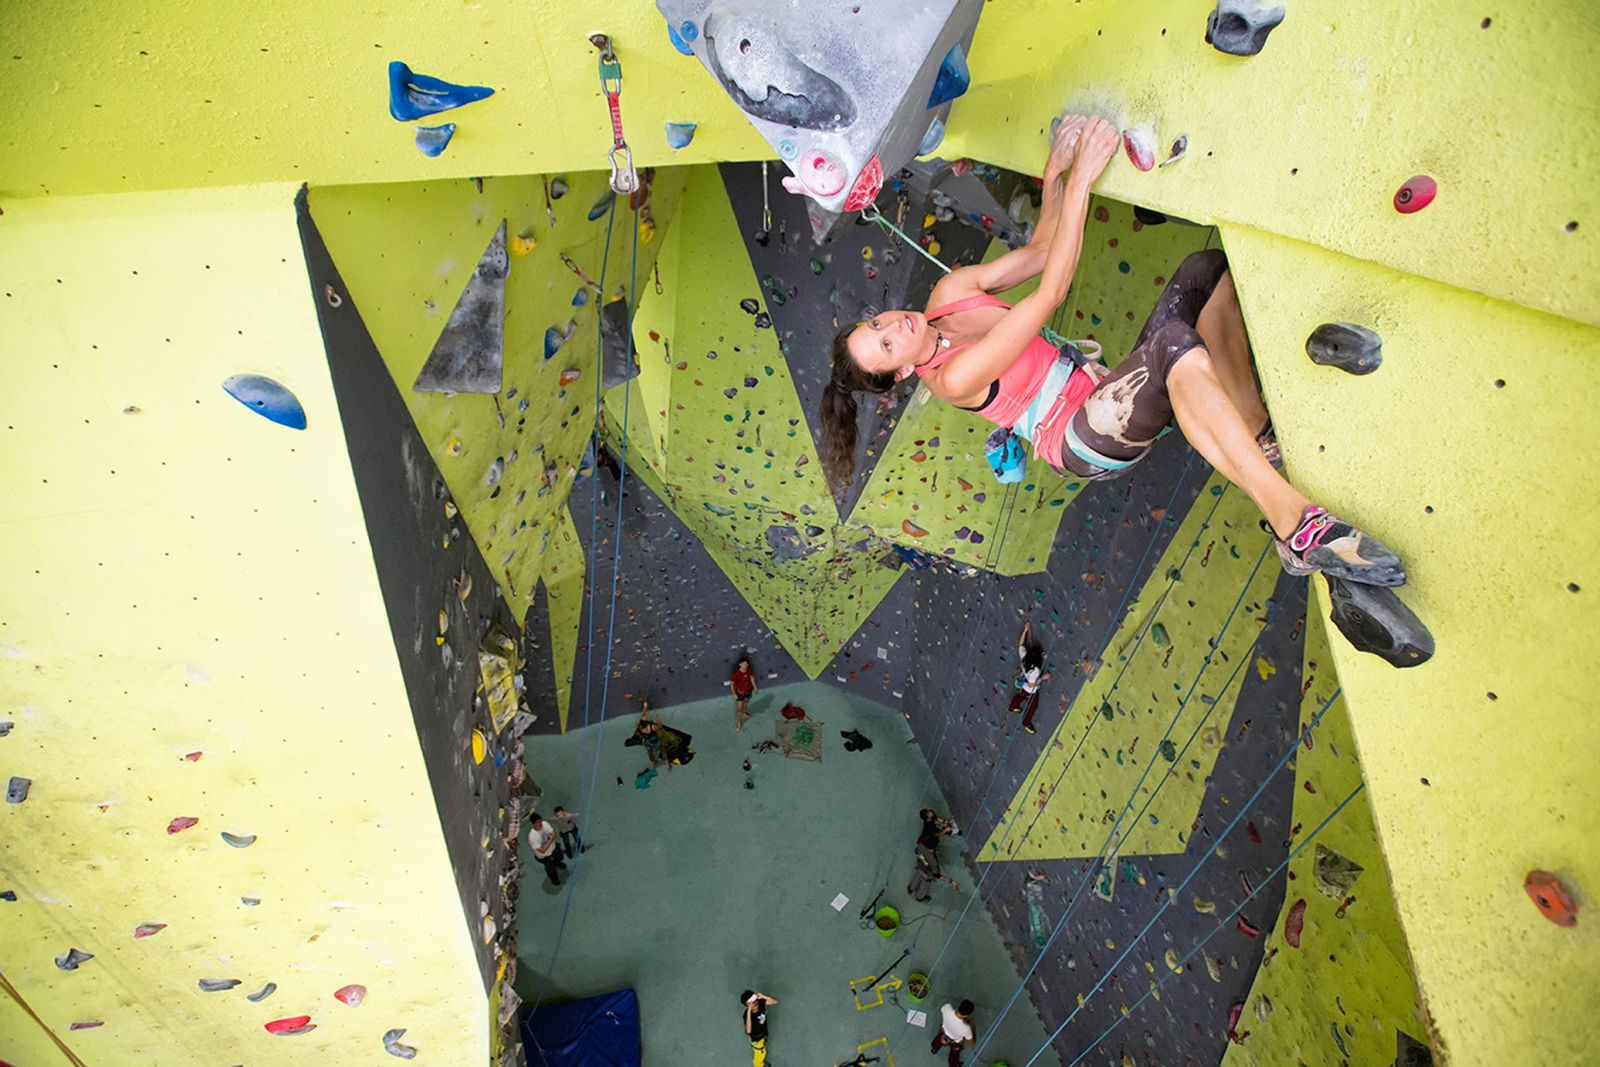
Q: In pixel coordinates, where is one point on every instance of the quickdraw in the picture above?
(624, 179)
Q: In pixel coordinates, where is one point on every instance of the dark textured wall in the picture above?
(403, 499)
(965, 637)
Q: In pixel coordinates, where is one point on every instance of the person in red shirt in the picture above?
(744, 687)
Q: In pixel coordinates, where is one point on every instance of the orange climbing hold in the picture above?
(569, 376)
(1295, 924)
(912, 528)
(1551, 898)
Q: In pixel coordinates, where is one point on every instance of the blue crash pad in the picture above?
(600, 1031)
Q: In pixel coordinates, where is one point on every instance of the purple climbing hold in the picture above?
(730, 392)
(763, 321)
(415, 96)
(749, 306)
(433, 140)
(750, 382)
(1240, 27)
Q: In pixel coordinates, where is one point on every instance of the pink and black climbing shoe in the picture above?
(1326, 543)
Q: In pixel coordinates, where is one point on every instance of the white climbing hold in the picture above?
(392, 1045)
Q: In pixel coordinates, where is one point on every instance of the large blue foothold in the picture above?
(267, 398)
(432, 140)
(415, 96)
(953, 78)
(932, 139)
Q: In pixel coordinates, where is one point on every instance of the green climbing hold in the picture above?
(1106, 712)
(1169, 751)
(1158, 634)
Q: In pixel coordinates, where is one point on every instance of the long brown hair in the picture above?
(838, 411)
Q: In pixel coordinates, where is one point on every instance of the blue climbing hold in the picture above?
(553, 340)
(677, 39)
(953, 77)
(415, 96)
(267, 398)
(688, 31)
(932, 139)
(602, 205)
(580, 298)
(432, 140)
(679, 134)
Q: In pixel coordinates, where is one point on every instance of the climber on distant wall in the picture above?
(1192, 362)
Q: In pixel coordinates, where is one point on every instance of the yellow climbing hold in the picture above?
(450, 509)
(1214, 968)
(1205, 907)
(933, 248)
(1172, 961)
(523, 244)
(1265, 668)
(866, 251)
(454, 447)
(480, 745)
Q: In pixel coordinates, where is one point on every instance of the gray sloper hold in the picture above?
(760, 71)
(1351, 348)
(263, 993)
(73, 958)
(216, 985)
(469, 354)
(1376, 620)
(1240, 27)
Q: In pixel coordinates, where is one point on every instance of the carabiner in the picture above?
(624, 179)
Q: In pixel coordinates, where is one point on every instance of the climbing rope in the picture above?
(1116, 618)
(1109, 846)
(594, 540)
(1183, 961)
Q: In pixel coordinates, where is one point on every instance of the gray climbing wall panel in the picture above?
(425, 563)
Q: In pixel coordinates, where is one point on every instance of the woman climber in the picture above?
(1192, 362)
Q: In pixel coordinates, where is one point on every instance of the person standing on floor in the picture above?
(744, 687)
(542, 836)
(955, 1030)
(1030, 677)
(755, 1007)
(566, 824)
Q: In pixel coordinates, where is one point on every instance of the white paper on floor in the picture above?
(840, 901)
(917, 1018)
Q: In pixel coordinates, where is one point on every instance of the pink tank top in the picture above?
(1020, 383)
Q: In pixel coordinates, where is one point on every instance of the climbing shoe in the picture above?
(1028, 726)
(1323, 542)
(1377, 621)
(1267, 441)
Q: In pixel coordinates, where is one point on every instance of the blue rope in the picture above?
(594, 526)
(1184, 960)
(1216, 844)
(1112, 840)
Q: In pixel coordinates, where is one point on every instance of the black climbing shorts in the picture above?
(1130, 407)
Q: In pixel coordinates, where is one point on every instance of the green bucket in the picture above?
(887, 920)
(917, 987)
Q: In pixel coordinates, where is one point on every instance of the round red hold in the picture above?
(1415, 194)
(1551, 898)
(868, 184)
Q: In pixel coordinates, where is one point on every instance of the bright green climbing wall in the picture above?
(510, 459)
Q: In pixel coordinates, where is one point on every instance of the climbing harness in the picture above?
(624, 179)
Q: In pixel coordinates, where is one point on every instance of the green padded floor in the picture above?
(696, 888)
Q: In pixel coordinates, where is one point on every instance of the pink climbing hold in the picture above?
(181, 823)
(1140, 144)
(148, 929)
(193, 757)
(291, 1025)
(1295, 924)
(1415, 194)
(352, 995)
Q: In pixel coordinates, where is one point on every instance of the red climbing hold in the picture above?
(1295, 923)
(1247, 928)
(867, 186)
(1251, 831)
(193, 757)
(1551, 898)
(181, 823)
(352, 995)
(1234, 1014)
(290, 1026)
(1415, 194)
